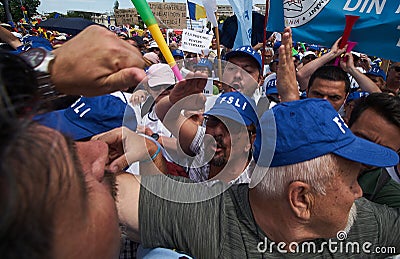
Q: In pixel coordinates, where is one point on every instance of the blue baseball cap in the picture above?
(90, 116)
(204, 62)
(314, 47)
(178, 52)
(235, 106)
(245, 50)
(377, 71)
(33, 42)
(356, 95)
(159, 252)
(311, 128)
(277, 44)
(271, 90)
(270, 84)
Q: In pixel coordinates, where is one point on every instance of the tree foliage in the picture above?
(15, 9)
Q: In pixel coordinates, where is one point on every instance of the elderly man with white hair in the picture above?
(304, 199)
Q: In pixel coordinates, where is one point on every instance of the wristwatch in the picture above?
(40, 60)
(155, 136)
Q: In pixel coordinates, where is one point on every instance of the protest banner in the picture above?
(172, 15)
(126, 16)
(193, 41)
(377, 31)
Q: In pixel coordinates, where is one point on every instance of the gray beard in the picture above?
(352, 217)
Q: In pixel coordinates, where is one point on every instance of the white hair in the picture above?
(316, 172)
(351, 218)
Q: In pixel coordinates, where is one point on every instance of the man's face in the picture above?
(333, 91)
(87, 223)
(203, 70)
(241, 73)
(179, 61)
(155, 50)
(332, 211)
(373, 127)
(268, 56)
(223, 132)
(214, 44)
(308, 59)
(393, 77)
(274, 66)
(378, 81)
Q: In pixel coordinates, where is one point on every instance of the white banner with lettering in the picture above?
(193, 41)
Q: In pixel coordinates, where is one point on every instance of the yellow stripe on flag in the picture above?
(200, 12)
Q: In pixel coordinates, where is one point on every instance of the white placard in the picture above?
(208, 90)
(193, 41)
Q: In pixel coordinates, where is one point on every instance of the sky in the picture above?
(101, 6)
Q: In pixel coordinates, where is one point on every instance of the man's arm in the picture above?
(7, 37)
(155, 163)
(304, 74)
(186, 94)
(169, 214)
(127, 203)
(286, 74)
(363, 81)
(126, 147)
(185, 129)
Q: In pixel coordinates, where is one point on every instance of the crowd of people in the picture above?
(106, 154)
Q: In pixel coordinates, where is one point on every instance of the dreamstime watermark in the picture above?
(331, 245)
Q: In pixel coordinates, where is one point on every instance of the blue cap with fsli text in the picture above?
(89, 116)
(356, 95)
(177, 53)
(311, 128)
(204, 62)
(245, 50)
(377, 71)
(235, 106)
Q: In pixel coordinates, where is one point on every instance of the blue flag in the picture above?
(377, 31)
(243, 12)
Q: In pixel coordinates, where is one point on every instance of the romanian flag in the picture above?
(196, 11)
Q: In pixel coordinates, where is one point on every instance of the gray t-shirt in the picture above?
(224, 226)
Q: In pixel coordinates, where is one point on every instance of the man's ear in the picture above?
(252, 138)
(301, 199)
(251, 142)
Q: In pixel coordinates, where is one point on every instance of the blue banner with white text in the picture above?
(377, 31)
(243, 11)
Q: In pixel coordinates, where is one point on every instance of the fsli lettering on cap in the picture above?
(235, 101)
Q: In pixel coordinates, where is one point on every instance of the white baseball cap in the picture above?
(160, 74)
